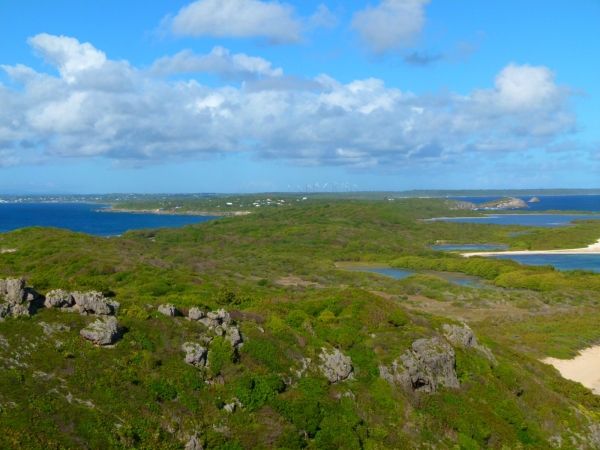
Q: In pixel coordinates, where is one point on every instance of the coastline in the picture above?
(592, 249)
(174, 213)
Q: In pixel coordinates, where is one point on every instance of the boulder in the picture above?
(13, 290)
(429, 363)
(103, 331)
(59, 299)
(195, 314)
(534, 200)
(168, 310)
(94, 303)
(217, 318)
(463, 336)
(335, 365)
(194, 443)
(195, 354)
(234, 336)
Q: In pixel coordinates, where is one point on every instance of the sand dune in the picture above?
(584, 368)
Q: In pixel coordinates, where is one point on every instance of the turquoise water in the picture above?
(450, 247)
(560, 262)
(458, 278)
(81, 217)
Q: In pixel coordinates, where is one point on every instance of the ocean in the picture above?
(81, 217)
(587, 203)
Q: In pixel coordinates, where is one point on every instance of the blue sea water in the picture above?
(560, 262)
(81, 217)
(532, 220)
(588, 203)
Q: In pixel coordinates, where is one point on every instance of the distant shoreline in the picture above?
(592, 249)
(174, 213)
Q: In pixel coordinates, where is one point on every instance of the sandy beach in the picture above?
(584, 368)
(592, 249)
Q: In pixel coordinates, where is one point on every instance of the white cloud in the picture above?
(238, 18)
(323, 18)
(132, 117)
(392, 25)
(218, 61)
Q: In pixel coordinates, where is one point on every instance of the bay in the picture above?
(458, 278)
(82, 218)
(560, 262)
(588, 203)
(532, 220)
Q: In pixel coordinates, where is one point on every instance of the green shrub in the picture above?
(255, 392)
(398, 317)
(296, 318)
(162, 390)
(265, 352)
(221, 352)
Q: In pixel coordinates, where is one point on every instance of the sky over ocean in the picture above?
(249, 95)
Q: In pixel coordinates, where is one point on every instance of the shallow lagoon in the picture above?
(532, 220)
(560, 262)
(458, 278)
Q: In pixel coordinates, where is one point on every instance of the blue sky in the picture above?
(247, 96)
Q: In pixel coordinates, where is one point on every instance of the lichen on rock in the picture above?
(335, 366)
(195, 354)
(463, 336)
(103, 331)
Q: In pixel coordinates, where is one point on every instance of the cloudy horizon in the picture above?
(249, 96)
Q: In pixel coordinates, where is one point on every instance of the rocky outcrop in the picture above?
(194, 443)
(460, 205)
(168, 310)
(335, 366)
(17, 297)
(195, 314)
(504, 203)
(102, 332)
(85, 302)
(463, 336)
(234, 337)
(195, 354)
(59, 299)
(429, 363)
(533, 200)
(215, 319)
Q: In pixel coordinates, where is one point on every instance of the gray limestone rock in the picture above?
(13, 290)
(220, 316)
(234, 337)
(94, 303)
(103, 331)
(195, 314)
(168, 310)
(463, 336)
(194, 443)
(59, 299)
(335, 365)
(430, 363)
(195, 354)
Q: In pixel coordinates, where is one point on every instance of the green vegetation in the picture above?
(274, 271)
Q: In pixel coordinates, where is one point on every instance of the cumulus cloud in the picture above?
(218, 61)
(390, 26)
(238, 18)
(138, 118)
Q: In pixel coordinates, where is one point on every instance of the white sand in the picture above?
(592, 249)
(7, 250)
(584, 368)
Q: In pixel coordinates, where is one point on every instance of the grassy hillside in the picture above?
(274, 271)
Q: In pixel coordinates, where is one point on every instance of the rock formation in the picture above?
(335, 365)
(463, 336)
(460, 205)
(534, 200)
(18, 299)
(102, 332)
(194, 443)
(59, 299)
(94, 303)
(195, 354)
(504, 203)
(215, 319)
(429, 363)
(168, 310)
(195, 314)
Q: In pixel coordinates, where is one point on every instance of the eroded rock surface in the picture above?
(195, 314)
(429, 363)
(194, 443)
(168, 310)
(103, 331)
(463, 336)
(335, 365)
(18, 299)
(217, 318)
(195, 354)
(94, 303)
(59, 298)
